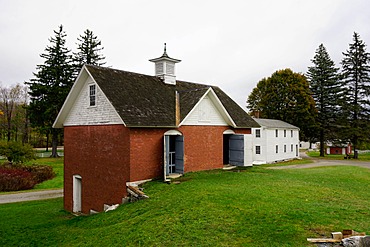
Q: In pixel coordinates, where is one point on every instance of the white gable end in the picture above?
(82, 113)
(205, 113)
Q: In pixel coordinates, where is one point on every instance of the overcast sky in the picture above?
(232, 44)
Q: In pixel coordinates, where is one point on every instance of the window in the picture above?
(277, 133)
(277, 148)
(258, 149)
(284, 148)
(291, 148)
(92, 95)
(258, 133)
(291, 133)
(284, 133)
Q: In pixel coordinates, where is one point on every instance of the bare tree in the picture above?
(11, 98)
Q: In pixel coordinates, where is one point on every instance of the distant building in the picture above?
(274, 141)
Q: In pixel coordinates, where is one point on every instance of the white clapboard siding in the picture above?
(205, 113)
(83, 114)
(268, 142)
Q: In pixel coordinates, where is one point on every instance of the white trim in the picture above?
(228, 132)
(173, 133)
(216, 101)
(74, 93)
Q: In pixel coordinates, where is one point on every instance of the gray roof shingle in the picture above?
(146, 101)
(273, 123)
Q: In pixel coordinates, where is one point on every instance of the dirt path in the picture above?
(30, 196)
(323, 162)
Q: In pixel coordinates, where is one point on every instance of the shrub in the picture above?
(41, 172)
(17, 152)
(15, 179)
(22, 177)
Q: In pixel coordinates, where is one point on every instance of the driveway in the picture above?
(30, 196)
(324, 162)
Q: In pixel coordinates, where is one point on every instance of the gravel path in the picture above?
(324, 162)
(30, 196)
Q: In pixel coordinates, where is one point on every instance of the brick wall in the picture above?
(146, 153)
(97, 154)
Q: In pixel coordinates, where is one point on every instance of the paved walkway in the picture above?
(324, 162)
(30, 196)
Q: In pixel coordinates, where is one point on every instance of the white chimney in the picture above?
(165, 67)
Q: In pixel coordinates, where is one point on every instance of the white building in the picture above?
(274, 141)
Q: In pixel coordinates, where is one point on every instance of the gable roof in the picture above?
(273, 123)
(146, 101)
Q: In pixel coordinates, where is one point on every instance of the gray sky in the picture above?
(232, 44)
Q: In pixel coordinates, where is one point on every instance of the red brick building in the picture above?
(122, 127)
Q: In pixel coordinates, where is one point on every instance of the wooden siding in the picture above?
(205, 113)
(83, 114)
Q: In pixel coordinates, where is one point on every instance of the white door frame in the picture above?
(77, 193)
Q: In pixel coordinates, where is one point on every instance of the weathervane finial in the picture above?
(165, 49)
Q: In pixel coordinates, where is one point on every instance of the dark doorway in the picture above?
(226, 149)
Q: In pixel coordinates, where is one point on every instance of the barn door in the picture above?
(236, 150)
(166, 156)
(179, 154)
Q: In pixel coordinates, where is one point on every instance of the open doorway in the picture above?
(173, 153)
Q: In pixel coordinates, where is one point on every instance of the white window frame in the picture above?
(258, 133)
(92, 97)
(276, 133)
(258, 149)
(284, 148)
(277, 149)
(291, 133)
(284, 133)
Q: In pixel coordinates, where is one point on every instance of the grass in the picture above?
(251, 207)
(55, 183)
(316, 154)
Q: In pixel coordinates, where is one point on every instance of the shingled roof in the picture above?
(145, 101)
(273, 123)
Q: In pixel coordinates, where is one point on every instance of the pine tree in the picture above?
(89, 51)
(50, 87)
(356, 78)
(326, 90)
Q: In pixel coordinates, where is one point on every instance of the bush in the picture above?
(17, 152)
(15, 179)
(22, 177)
(41, 172)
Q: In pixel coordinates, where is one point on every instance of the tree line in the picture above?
(27, 112)
(327, 103)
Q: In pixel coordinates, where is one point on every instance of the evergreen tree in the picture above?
(89, 51)
(326, 90)
(356, 78)
(50, 87)
(285, 96)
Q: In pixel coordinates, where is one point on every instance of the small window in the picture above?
(92, 95)
(277, 149)
(258, 149)
(277, 133)
(284, 133)
(258, 133)
(284, 148)
(291, 148)
(291, 133)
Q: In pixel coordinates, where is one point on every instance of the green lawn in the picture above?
(251, 207)
(316, 154)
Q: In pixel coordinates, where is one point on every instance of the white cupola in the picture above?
(165, 67)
